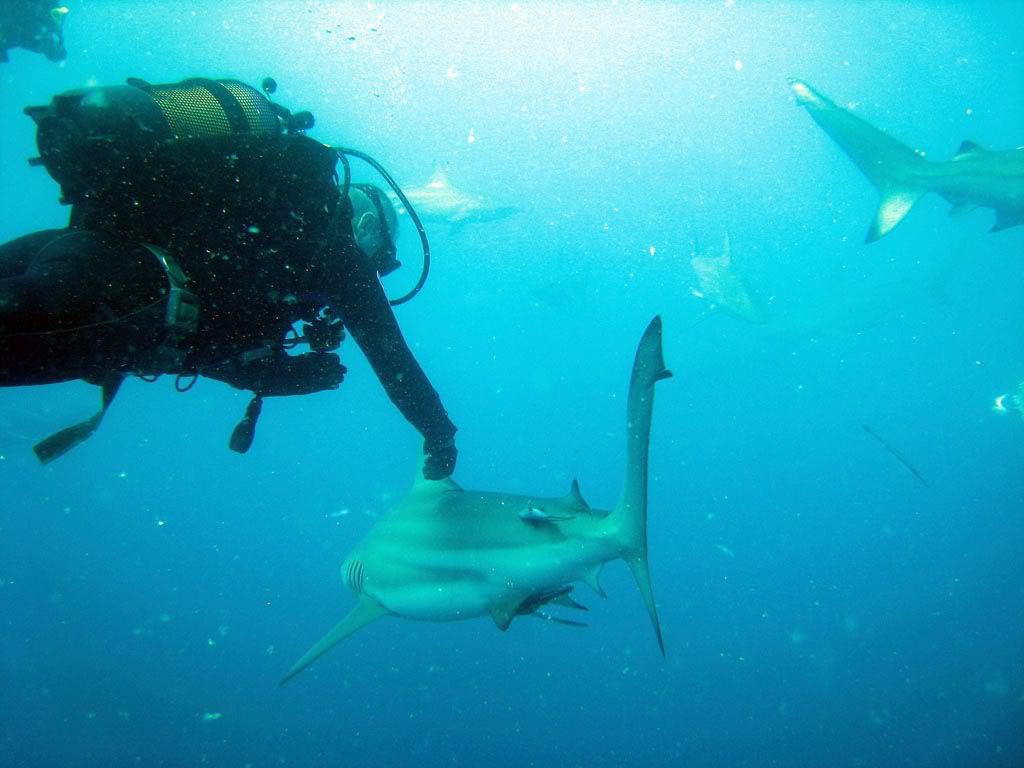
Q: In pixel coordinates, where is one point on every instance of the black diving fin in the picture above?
(245, 432)
(56, 445)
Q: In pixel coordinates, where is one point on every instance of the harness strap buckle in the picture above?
(182, 316)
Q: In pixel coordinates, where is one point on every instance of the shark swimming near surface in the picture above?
(440, 201)
(724, 288)
(447, 554)
(975, 177)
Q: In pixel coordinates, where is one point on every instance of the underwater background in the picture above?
(820, 604)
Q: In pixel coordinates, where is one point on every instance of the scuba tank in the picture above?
(91, 139)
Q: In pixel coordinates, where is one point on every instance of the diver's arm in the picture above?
(368, 316)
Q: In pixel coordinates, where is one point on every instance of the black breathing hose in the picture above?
(342, 151)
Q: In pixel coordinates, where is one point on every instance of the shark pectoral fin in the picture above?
(365, 612)
(504, 613)
(638, 565)
(1007, 219)
(896, 203)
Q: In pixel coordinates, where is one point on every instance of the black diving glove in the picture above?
(440, 456)
(280, 374)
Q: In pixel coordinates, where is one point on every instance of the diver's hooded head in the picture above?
(44, 31)
(374, 225)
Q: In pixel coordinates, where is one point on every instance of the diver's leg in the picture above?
(67, 278)
(80, 303)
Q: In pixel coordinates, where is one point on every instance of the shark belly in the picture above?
(462, 571)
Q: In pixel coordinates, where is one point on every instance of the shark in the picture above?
(724, 288)
(444, 553)
(1016, 403)
(976, 177)
(440, 201)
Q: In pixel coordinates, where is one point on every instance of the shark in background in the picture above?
(1011, 401)
(447, 554)
(438, 200)
(975, 177)
(724, 288)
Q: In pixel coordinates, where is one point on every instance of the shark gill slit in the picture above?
(354, 576)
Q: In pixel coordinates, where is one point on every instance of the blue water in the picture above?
(820, 606)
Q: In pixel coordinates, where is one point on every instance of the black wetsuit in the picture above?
(265, 240)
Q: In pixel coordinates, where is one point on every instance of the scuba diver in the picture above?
(35, 25)
(204, 225)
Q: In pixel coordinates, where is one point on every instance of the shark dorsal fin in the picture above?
(968, 147)
(439, 179)
(575, 499)
(435, 487)
(726, 257)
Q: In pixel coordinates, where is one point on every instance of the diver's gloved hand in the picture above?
(440, 458)
(280, 374)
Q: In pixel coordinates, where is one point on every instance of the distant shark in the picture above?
(447, 554)
(440, 201)
(975, 177)
(724, 288)
(1016, 401)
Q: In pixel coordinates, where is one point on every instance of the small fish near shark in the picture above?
(447, 554)
(438, 200)
(724, 288)
(975, 177)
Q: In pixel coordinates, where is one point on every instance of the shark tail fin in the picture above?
(641, 572)
(894, 168)
(630, 514)
(365, 612)
(896, 203)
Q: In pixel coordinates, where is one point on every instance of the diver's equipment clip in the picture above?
(182, 305)
(182, 316)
